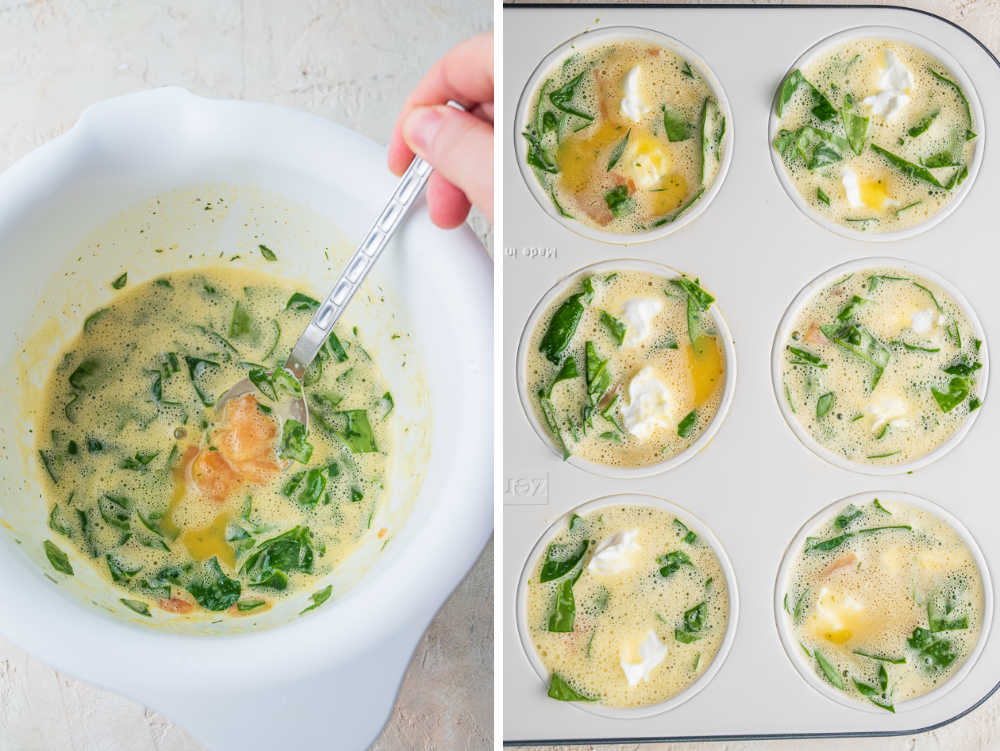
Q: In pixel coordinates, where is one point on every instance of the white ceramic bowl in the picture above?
(783, 334)
(329, 677)
(963, 80)
(590, 38)
(556, 291)
(806, 669)
(693, 523)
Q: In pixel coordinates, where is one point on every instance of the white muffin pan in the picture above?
(755, 484)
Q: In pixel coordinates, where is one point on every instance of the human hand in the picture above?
(458, 145)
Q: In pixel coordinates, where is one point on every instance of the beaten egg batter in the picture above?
(625, 136)
(875, 134)
(906, 386)
(650, 607)
(886, 601)
(194, 512)
(638, 378)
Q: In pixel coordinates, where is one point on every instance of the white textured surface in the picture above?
(979, 730)
(353, 62)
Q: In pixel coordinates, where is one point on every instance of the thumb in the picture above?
(459, 146)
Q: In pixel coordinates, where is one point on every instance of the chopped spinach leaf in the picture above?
(301, 303)
(318, 598)
(686, 426)
(559, 560)
(270, 562)
(618, 200)
(933, 652)
(564, 613)
(212, 588)
(614, 327)
(293, 442)
(676, 127)
(859, 341)
(958, 390)
(618, 150)
(823, 404)
(58, 559)
(562, 326)
(562, 97)
(923, 124)
(196, 367)
(672, 562)
(559, 689)
(137, 606)
(828, 670)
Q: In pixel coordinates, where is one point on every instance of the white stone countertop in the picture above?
(353, 61)
(979, 730)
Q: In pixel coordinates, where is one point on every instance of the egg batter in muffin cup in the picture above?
(883, 602)
(623, 134)
(876, 133)
(626, 607)
(880, 366)
(626, 368)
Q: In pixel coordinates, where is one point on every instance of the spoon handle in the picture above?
(403, 197)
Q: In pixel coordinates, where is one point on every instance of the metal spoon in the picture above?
(403, 197)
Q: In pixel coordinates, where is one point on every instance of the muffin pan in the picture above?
(755, 483)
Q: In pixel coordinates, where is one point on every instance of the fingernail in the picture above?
(421, 127)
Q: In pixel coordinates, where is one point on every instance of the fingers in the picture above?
(464, 74)
(447, 204)
(460, 148)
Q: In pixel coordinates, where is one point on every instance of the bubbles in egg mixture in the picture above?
(616, 611)
(692, 376)
(616, 172)
(932, 130)
(927, 388)
(129, 405)
(900, 592)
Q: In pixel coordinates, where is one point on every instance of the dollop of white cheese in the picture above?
(895, 82)
(852, 188)
(650, 404)
(925, 320)
(638, 314)
(888, 409)
(637, 667)
(614, 554)
(632, 106)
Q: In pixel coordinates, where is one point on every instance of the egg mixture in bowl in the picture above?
(189, 510)
(625, 366)
(160, 505)
(624, 135)
(626, 606)
(883, 600)
(875, 134)
(881, 366)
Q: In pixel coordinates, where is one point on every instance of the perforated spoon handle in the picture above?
(403, 197)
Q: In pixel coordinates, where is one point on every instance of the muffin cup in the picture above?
(590, 38)
(693, 523)
(963, 80)
(781, 338)
(791, 645)
(559, 288)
